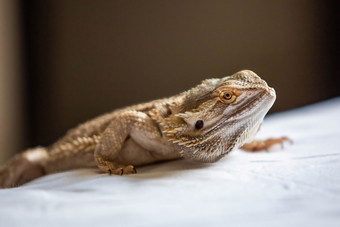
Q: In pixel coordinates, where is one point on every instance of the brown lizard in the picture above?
(204, 123)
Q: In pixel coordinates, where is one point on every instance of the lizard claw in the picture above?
(130, 169)
(258, 145)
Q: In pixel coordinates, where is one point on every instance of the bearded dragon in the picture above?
(204, 124)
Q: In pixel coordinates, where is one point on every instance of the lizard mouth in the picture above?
(260, 103)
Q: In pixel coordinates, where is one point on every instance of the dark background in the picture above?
(83, 58)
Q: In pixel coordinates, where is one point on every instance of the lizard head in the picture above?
(218, 115)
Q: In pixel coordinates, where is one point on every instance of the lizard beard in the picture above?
(220, 142)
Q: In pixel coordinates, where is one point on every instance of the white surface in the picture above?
(296, 186)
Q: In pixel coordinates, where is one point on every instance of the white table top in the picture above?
(296, 186)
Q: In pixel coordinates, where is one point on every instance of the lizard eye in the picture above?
(228, 96)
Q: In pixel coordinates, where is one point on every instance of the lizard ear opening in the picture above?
(199, 124)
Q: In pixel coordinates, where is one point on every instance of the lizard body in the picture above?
(204, 123)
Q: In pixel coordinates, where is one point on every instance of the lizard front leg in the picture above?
(126, 127)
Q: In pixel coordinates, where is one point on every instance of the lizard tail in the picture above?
(37, 162)
(23, 167)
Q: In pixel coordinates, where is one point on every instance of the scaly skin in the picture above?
(203, 124)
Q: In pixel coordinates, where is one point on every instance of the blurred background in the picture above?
(63, 62)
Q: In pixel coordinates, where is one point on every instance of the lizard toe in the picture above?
(130, 169)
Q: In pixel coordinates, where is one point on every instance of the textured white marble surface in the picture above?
(296, 186)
